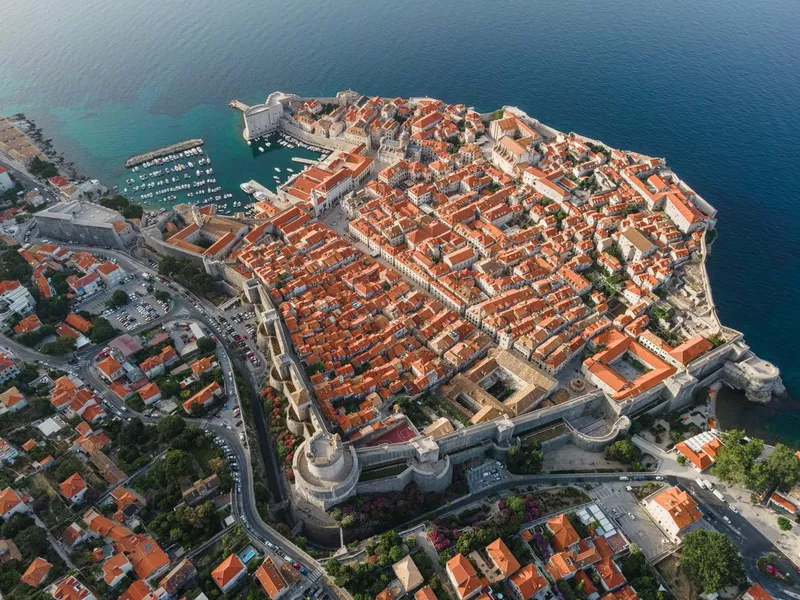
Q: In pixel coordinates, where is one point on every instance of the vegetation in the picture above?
(162, 296)
(364, 580)
(13, 266)
(63, 345)
(42, 168)
(641, 576)
(738, 463)
(122, 205)
(525, 459)
(624, 451)
(185, 273)
(711, 560)
(101, 330)
(206, 345)
(118, 298)
(784, 524)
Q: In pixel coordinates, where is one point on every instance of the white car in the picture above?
(734, 510)
(726, 519)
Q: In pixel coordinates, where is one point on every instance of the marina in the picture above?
(163, 152)
(189, 176)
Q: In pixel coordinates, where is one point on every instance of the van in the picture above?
(624, 478)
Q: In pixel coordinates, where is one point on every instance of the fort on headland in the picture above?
(447, 284)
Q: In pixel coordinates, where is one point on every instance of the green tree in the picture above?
(170, 427)
(42, 168)
(206, 345)
(101, 331)
(784, 524)
(735, 460)
(63, 345)
(623, 450)
(118, 298)
(711, 560)
(781, 468)
(162, 296)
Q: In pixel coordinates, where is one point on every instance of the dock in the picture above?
(304, 161)
(238, 105)
(166, 151)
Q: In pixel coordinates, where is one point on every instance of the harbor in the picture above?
(160, 153)
(186, 173)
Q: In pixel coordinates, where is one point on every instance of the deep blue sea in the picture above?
(713, 86)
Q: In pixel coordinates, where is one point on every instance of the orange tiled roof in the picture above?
(227, 570)
(36, 572)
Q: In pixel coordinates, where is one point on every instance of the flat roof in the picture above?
(82, 211)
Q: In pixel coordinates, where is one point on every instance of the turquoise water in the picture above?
(713, 86)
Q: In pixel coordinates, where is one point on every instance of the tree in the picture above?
(101, 330)
(206, 345)
(622, 451)
(781, 468)
(735, 460)
(784, 524)
(63, 345)
(118, 298)
(42, 168)
(711, 560)
(162, 296)
(681, 459)
(170, 426)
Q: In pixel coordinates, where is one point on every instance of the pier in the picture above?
(238, 104)
(304, 161)
(166, 151)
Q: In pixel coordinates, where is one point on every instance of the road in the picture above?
(752, 542)
(186, 306)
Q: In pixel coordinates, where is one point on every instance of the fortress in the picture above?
(532, 281)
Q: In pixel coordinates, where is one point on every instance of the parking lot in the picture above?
(237, 325)
(142, 308)
(485, 475)
(623, 507)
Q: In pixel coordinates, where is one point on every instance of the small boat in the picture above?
(290, 170)
(260, 148)
(277, 169)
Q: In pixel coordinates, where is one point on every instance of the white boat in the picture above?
(260, 148)
(277, 169)
(290, 170)
(249, 143)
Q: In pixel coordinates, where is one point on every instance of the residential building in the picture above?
(12, 400)
(11, 503)
(201, 489)
(8, 369)
(73, 488)
(675, 511)
(110, 368)
(70, 588)
(408, 574)
(229, 573)
(529, 584)
(700, 450)
(463, 577)
(270, 579)
(115, 569)
(15, 298)
(5, 180)
(502, 558)
(36, 572)
(564, 535)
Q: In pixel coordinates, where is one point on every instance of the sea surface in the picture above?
(713, 86)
